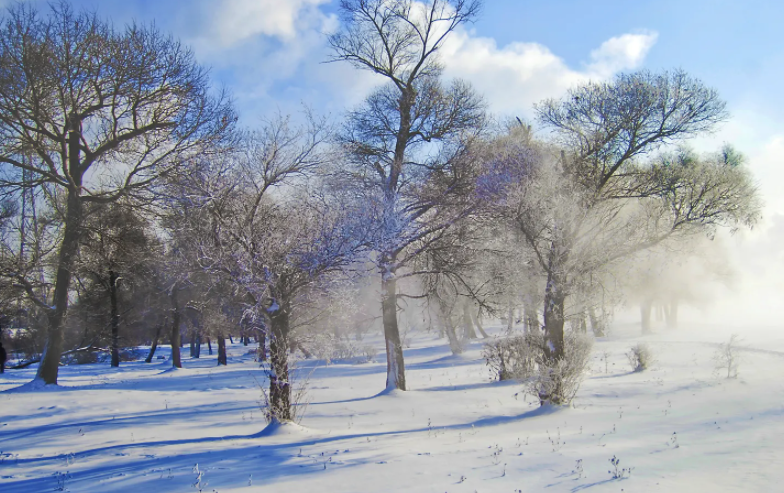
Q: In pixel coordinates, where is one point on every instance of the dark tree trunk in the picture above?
(209, 346)
(554, 302)
(50, 360)
(222, 350)
(115, 314)
(195, 342)
(175, 330)
(645, 315)
(280, 385)
(396, 371)
(261, 336)
(154, 345)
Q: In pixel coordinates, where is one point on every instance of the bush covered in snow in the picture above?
(514, 357)
(523, 358)
(557, 382)
(640, 357)
(332, 348)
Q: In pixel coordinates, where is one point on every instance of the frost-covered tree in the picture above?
(93, 113)
(600, 192)
(406, 139)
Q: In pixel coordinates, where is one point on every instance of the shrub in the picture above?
(514, 357)
(523, 358)
(557, 382)
(640, 357)
(332, 348)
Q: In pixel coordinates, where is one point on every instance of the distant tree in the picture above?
(407, 137)
(115, 246)
(93, 114)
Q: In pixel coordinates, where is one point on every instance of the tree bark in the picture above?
(50, 360)
(115, 318)
(396, 373)
(175, 330)
(209, 346)
(222, 350)
(280, 386)
(154, 345)
(261, 336)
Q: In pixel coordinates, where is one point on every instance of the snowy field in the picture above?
(146, 428)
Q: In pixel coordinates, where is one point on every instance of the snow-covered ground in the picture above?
(147, 428)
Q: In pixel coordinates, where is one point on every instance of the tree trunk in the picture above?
(50, 360)
(510, 321)
(209, 346)
(196, 342)
(475, 318)
(554, 302)
(671, 313)
(468, 325)
(115, 319)
(261, 336)
(280, 386)
(597, 326)
(396, 373)
(175, 330)
(154, 345)
(222, 350)
(645, 315)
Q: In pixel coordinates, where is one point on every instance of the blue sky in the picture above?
(269, 53)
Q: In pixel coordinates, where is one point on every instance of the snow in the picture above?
(144, 428)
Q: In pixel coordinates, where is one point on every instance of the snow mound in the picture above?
(276, 428)
(37, 385)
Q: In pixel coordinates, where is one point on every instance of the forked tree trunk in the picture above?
(280, 385)
(115, 319)
(50, 359)
(396, 371)
(174, 338)
(154, 345)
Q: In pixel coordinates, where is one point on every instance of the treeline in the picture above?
(134, 207)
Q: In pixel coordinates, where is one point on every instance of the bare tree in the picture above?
(406, 139)
(94, 114)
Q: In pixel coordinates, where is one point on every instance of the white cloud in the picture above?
(620, 53)
(235, 21)
(516, 76)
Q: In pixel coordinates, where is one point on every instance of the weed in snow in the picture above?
(617, 472)
(578, 469)
(727, 357)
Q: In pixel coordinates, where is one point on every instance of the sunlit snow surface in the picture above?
(145, 428)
